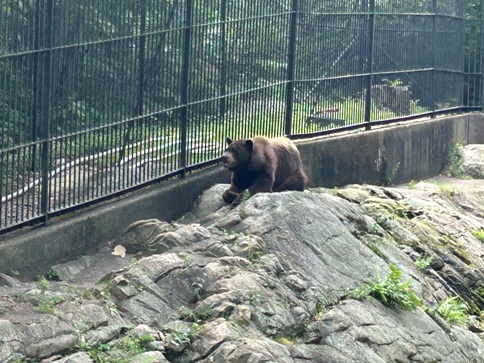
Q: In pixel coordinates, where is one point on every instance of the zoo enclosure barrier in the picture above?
(98, 97)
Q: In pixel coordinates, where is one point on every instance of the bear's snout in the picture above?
(227, 160)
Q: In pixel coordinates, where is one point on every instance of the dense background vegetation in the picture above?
(118, 92)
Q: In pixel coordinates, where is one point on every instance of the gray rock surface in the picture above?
(268, 281)
(473, 161)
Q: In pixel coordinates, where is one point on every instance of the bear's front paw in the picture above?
(229, 196)
(237, 200)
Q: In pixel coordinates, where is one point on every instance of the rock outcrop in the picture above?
(473, 161)
(272, 280)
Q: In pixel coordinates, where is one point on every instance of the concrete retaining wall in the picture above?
(397, 154)
(65, 238)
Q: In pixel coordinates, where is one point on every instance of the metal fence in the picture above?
(101, 96)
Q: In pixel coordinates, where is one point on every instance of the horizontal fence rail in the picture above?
(102, 96)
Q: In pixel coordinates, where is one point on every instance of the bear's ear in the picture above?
(229, 140)
(249, 144)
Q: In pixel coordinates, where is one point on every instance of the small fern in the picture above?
(453, 309)
(390, 290)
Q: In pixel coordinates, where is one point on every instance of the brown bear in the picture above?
(262, 165)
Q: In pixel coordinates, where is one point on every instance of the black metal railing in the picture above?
(102, 96)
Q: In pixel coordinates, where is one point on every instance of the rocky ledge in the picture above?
(358, 274)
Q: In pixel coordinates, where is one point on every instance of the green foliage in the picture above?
(253, 255)
(134, 345)
(423, 263)
(52, 275)
(86, 294)
(177, 337)
(479, 234)
(196, 317)
(374, 228)
(447, 190)
(254, 299)
(45, 304)
(106, 290)
(391, 176)
(374, 243)
(245, 196)
(99, 80)
(455, 160)
(412, 184)
(284, 341)
(95, 352)
(127, 347)
(383, 220)
(43, 285)
(453, 309)
(322, 306)
(14, 273)
(390, 290)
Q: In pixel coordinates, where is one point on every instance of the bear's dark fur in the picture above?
(262, 165)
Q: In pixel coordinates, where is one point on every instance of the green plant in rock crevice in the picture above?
(43, 303)
(455, 160)
(412, 184)
(390, 290)
(197, 316)
(52, 275)
(453, 309)
(43, 285)
(423, 262)
(134, 345)
(254, 299)
(177, 337)
(479, 234)
(447, 190)
(129, 346)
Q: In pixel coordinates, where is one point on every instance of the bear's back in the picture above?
(279, 154)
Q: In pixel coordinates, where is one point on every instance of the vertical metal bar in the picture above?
(223, 59)
(46, 93)
(363, 38)
(369, 76)
(434, 57)
(461, 52)
(141, 57)
(481, 50)
(141, 60)
(35, 94)
(184, 87)
(291, 58)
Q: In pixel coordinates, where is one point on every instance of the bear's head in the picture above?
(238, 154)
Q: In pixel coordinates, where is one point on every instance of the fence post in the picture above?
(462, 52)
(369, 76)
(184, 88)
(481, 58)
(141, 58)
(223, 59)
(46, 93)
(291, 55)
(363, 43)
(35, 91)
(434, 58)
